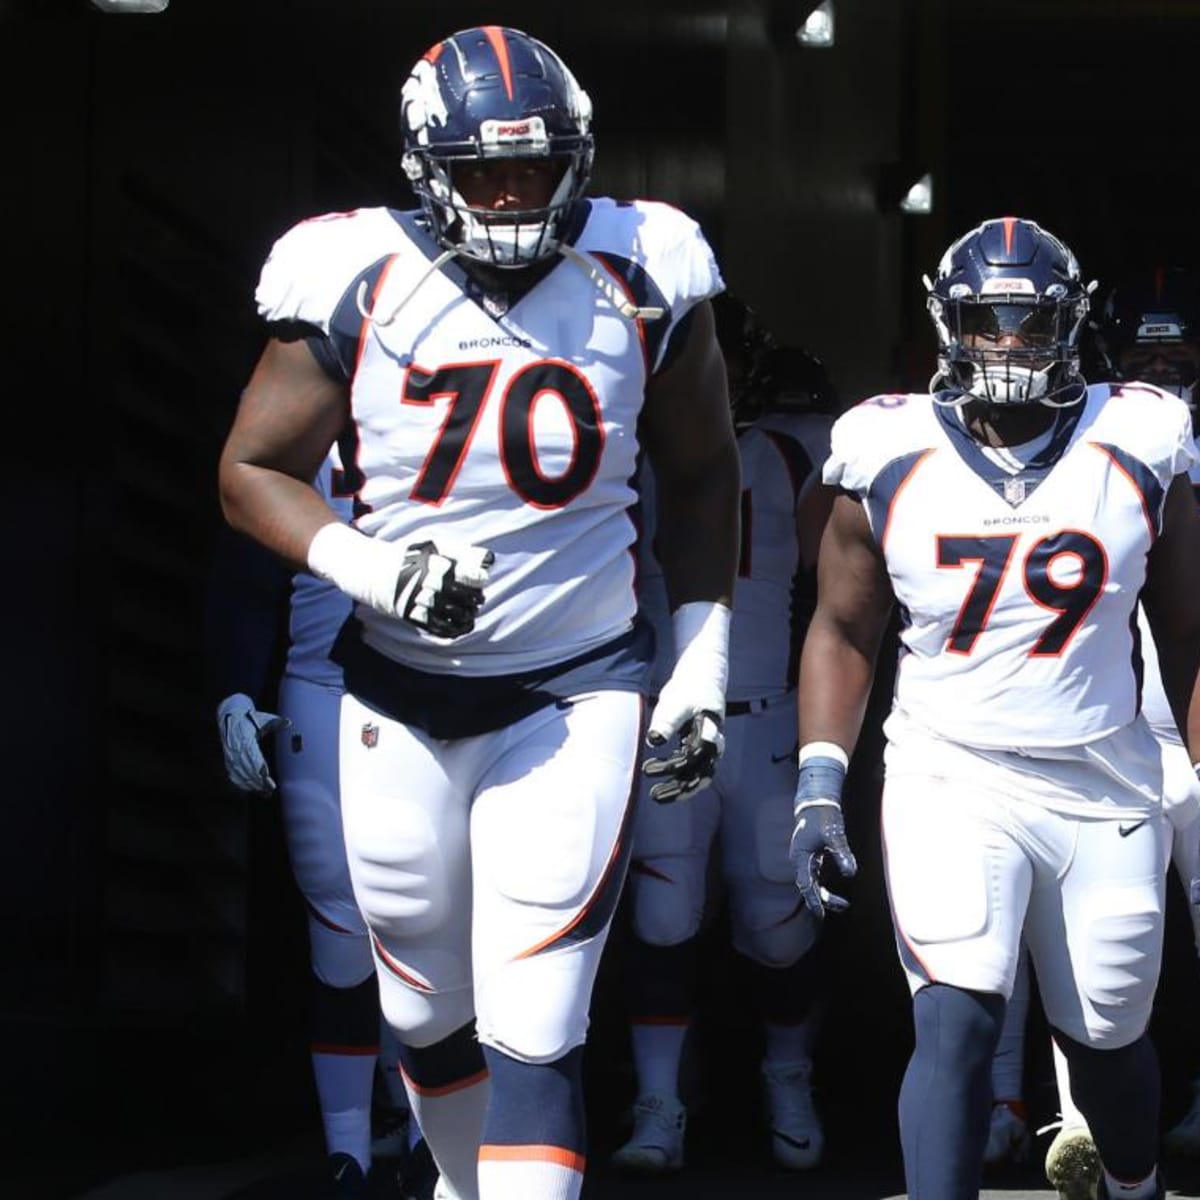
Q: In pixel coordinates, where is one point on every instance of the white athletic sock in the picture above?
(1070, 1113)
(452, 1122)
(529, 1173)
(343, 1083)
(657, 1053)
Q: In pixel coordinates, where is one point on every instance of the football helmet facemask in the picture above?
(1008, 304)
(488, 93)
(1149, 330)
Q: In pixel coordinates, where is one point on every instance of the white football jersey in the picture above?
(1016, 583)
(781, 456)
(508, 427)
(318, 609)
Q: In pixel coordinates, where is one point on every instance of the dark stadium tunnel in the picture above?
(155, 948)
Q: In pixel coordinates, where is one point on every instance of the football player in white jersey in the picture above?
(1147, 331)
(503, 355)
(747, 811)
(244, 610)
(1016, 516)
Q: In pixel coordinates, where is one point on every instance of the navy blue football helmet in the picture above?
(795, 380)
(1008, 304)
(486, 93)
(745, 343)
(1149, 330)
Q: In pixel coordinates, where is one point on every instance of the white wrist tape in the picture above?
(824, 750)
(702, 652)
(365, 568)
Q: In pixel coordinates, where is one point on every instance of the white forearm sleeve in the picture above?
(702, 652)
(362, 567)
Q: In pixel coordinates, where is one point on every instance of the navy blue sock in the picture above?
(536, 1104)
(1118, 1091)
(660, 981)
(946, 1096)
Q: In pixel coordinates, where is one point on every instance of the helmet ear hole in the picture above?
(489, 94)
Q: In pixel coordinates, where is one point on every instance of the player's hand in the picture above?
(439, 591)
(820, 830)
(691, 704)
(242, 726)
(691, 765)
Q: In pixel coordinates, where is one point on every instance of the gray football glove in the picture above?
(241, 727)
(819, 831)
(440, 593)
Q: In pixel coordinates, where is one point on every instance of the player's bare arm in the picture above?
(812, 513)
(689, 435)
(1169, 598)
(854, 600)
(290, 414)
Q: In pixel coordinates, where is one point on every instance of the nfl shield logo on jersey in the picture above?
(370, 736)
(1014, 491)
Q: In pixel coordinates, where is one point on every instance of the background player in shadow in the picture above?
(253, 600)
(782, 403)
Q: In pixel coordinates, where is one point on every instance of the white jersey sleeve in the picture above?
(312, 265)
(670, 264)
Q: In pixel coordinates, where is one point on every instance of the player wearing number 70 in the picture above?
(502, 356)
(1014, 515)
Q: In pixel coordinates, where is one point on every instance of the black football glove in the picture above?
(442, 594)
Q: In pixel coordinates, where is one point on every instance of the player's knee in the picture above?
(341, 960)
(956, 1025)
(781, 943)
(668, 903)
(531, 1016)
(449, 1062)
(533, 1032)
(344, 1016)
(1118, 981)
(421, 1018)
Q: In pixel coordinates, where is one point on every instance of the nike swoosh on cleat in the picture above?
(1126, 830)
(799, 1143)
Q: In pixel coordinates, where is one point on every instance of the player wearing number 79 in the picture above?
(502, 356)
(1014, 515)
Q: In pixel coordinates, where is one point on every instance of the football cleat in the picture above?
(797, 1139)
(1008, 1136)
(656, 1143)
(1073, 1163)
(1160, 1190)
(1183, 1138)
(347, 1177)
(419, 1175)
